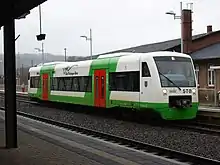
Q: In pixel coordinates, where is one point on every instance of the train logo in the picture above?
(69, 70)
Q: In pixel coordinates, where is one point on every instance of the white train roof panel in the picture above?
(80, 68)
(114, 55)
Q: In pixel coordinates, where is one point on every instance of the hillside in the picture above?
(27, 59)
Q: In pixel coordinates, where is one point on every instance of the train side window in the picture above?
(54, 85)
(32, 83)
(61, 84)
(145, 70)
(87, 83)
(51, 84)
(124, 81)
(35, 82)
(82, 81)
(68, 83)
(76, 84)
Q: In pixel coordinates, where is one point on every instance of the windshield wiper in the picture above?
(169, 80)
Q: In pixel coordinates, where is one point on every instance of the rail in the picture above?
(202, 127)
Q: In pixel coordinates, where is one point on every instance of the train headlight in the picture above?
(164, 92)
(193, 91)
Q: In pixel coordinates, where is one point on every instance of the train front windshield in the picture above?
(175, 71)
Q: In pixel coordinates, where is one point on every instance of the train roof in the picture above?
(165, 53)
(35, 71)
(130, 56)
(77, 64)
(114, 55)
(39, 66)
(51, 63)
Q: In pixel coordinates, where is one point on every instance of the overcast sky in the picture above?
(116, 24)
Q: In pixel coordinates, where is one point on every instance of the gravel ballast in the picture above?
(173, 138)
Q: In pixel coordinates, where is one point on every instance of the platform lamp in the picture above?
(89, 39)
(178, 17)
(41, 36)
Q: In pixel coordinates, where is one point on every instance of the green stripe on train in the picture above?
(162, 108)
(108, 64)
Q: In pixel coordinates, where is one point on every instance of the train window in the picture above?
(103, 86)
(145, 70)
(54, 84)
(76, 84)
(61, 84)
(32, 82)
(35, 82)
(68, 83)
(80, 83)
(124, 81)
(89, 84)
(97, 86)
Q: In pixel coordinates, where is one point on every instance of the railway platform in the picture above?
(209, 109)
(44, 144)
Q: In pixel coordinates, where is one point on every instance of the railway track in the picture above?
(161, 151)
(202, 127)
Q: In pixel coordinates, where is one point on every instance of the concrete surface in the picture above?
(45, 144)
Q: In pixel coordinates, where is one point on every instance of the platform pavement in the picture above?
(209, 109)
(45, 144)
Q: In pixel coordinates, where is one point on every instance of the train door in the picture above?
(100, 88)
(145, 83)
(45, 87)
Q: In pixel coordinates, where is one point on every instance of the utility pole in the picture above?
(89, 39)
(42, 49)
(32, 63)
(41, 36)
(189, 5)
(18, 68)
(22, 73)
(178, 17)
(65, 54)
(90, 43)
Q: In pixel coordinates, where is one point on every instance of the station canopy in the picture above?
(16, 9)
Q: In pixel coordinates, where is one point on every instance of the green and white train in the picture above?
(163, 82)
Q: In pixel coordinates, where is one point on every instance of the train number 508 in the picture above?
(187, 90)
